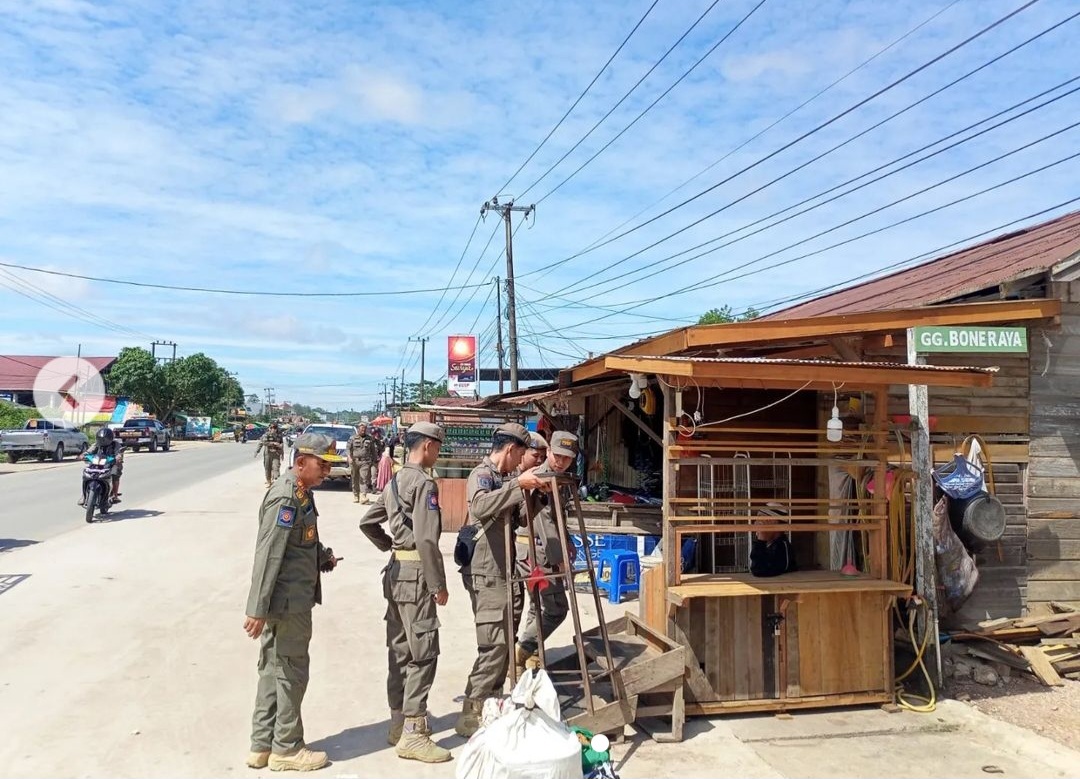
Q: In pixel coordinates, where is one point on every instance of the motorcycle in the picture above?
(97, 484)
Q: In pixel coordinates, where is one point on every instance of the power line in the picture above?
(651, 105)
(442, 295)
(776, 122)
(802, 137)
(217, 291)
(725, 277)
(621, 99)
(579, 98)
(483, 305)
(654, 270)
(474, 288)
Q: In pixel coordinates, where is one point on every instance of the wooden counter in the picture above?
(743, 584)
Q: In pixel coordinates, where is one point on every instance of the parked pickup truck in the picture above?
(41, 438)
(143, 431)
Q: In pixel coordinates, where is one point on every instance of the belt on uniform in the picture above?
(407, 554)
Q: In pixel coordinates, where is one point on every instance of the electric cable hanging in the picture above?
(442, 295)
(810, 132)
(580, 97)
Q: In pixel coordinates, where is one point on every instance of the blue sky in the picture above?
(347, 146)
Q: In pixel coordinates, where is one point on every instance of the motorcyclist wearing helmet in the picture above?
(108, 445)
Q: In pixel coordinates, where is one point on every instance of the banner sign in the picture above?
(461, 375)
(996, 340)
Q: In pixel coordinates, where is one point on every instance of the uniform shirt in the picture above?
(420, 504)
(549, 551)
(285, 578)
(494, 500)
(273, 441)
(363, 448)
(115, 449)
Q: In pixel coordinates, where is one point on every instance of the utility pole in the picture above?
(153, 350)
(269, 401)
(423, 354)
(498, 329)
(393, 389)
(506, 210)
(384, 385)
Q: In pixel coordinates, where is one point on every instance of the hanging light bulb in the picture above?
(642, 380)
(635, 386)
(834, 428)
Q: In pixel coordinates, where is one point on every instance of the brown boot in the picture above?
(303, 759)
(397, 722)
(468, 722)
(521, 657)
(416, 743)
(258, 759)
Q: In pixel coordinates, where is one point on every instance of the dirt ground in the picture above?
(1053, 712)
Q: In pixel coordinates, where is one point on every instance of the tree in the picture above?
(724, 315)
(431, 390)
(196, 384)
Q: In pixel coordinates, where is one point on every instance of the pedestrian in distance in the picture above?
(548, 607)
(272, 445)
(495, 498)
(362, 452)
(414, 583)
(285, 587)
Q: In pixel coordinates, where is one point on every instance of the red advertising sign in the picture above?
(461, 373)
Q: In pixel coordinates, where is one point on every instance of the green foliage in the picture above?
(12, 416)
(725, 315)
(195, 384)
(431, 390)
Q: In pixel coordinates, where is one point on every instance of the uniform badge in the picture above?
(485, 482)
(309, 533)
(286, 516)
(433, 500)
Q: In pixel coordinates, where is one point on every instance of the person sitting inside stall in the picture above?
(770, 553)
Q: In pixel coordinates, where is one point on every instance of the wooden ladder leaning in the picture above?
(599, 715)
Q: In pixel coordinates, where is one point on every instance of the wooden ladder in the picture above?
(561, 484)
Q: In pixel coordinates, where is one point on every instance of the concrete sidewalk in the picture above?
(124, 656)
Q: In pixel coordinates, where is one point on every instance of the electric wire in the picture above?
(482, 307)
(775, 122)
(442, 295)
(817, 128)
(623, 99)
(581, 96)
(659, 266)
(725, 277)
(652, 105)
(474, 288)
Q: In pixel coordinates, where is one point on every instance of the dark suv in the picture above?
(137, 433)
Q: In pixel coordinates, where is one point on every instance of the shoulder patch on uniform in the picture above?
(485, 482)
(433, 500)
(309, 533)
(286, 516)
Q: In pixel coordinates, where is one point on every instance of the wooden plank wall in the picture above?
(1003, 568)
(1053, 487)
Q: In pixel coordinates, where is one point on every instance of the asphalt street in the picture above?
(37, 501)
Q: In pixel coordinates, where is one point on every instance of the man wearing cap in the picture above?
(285, 586)
(414, 582)
(494, 495)
(363, 455)
(551, 600)
(534, 456)
(272, 445)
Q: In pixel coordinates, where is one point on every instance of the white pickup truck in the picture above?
(41, 438)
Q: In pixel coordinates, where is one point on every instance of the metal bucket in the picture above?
(978, 520)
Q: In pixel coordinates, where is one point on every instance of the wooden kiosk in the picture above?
(812, 638)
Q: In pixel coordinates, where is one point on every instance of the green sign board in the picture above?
(971, 339)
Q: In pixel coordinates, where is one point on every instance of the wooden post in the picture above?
(922, 463)
(879, 565)
(671, 552)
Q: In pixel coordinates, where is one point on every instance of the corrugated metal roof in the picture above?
(997, 261)
(816, 363)
(17, 372)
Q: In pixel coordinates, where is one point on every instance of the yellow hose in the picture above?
(910, 701)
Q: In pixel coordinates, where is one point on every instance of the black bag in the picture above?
(465, 545)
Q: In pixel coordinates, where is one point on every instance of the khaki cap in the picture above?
(564, 443)
(515, 431)
(321, 446)
(537, 441)
(428, 429)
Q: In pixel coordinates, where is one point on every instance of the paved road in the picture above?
(38, 501)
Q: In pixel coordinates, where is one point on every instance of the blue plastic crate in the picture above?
(598, 542)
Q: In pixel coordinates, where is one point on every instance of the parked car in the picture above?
(339, 468)
(144, 431)
(41, 438)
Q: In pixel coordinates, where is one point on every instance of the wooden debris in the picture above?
(1041, 666)
(1063, 608)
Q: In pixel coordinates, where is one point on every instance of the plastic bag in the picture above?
(960, 479)
(955, 567)
(527, 742)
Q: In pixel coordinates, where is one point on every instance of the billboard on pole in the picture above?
(461, 374)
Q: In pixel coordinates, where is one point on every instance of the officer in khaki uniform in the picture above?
(495, 498)
(272, 445)
(414, 582)
(552, 602)
(535, 455)
(363, 452)
(285, 586)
